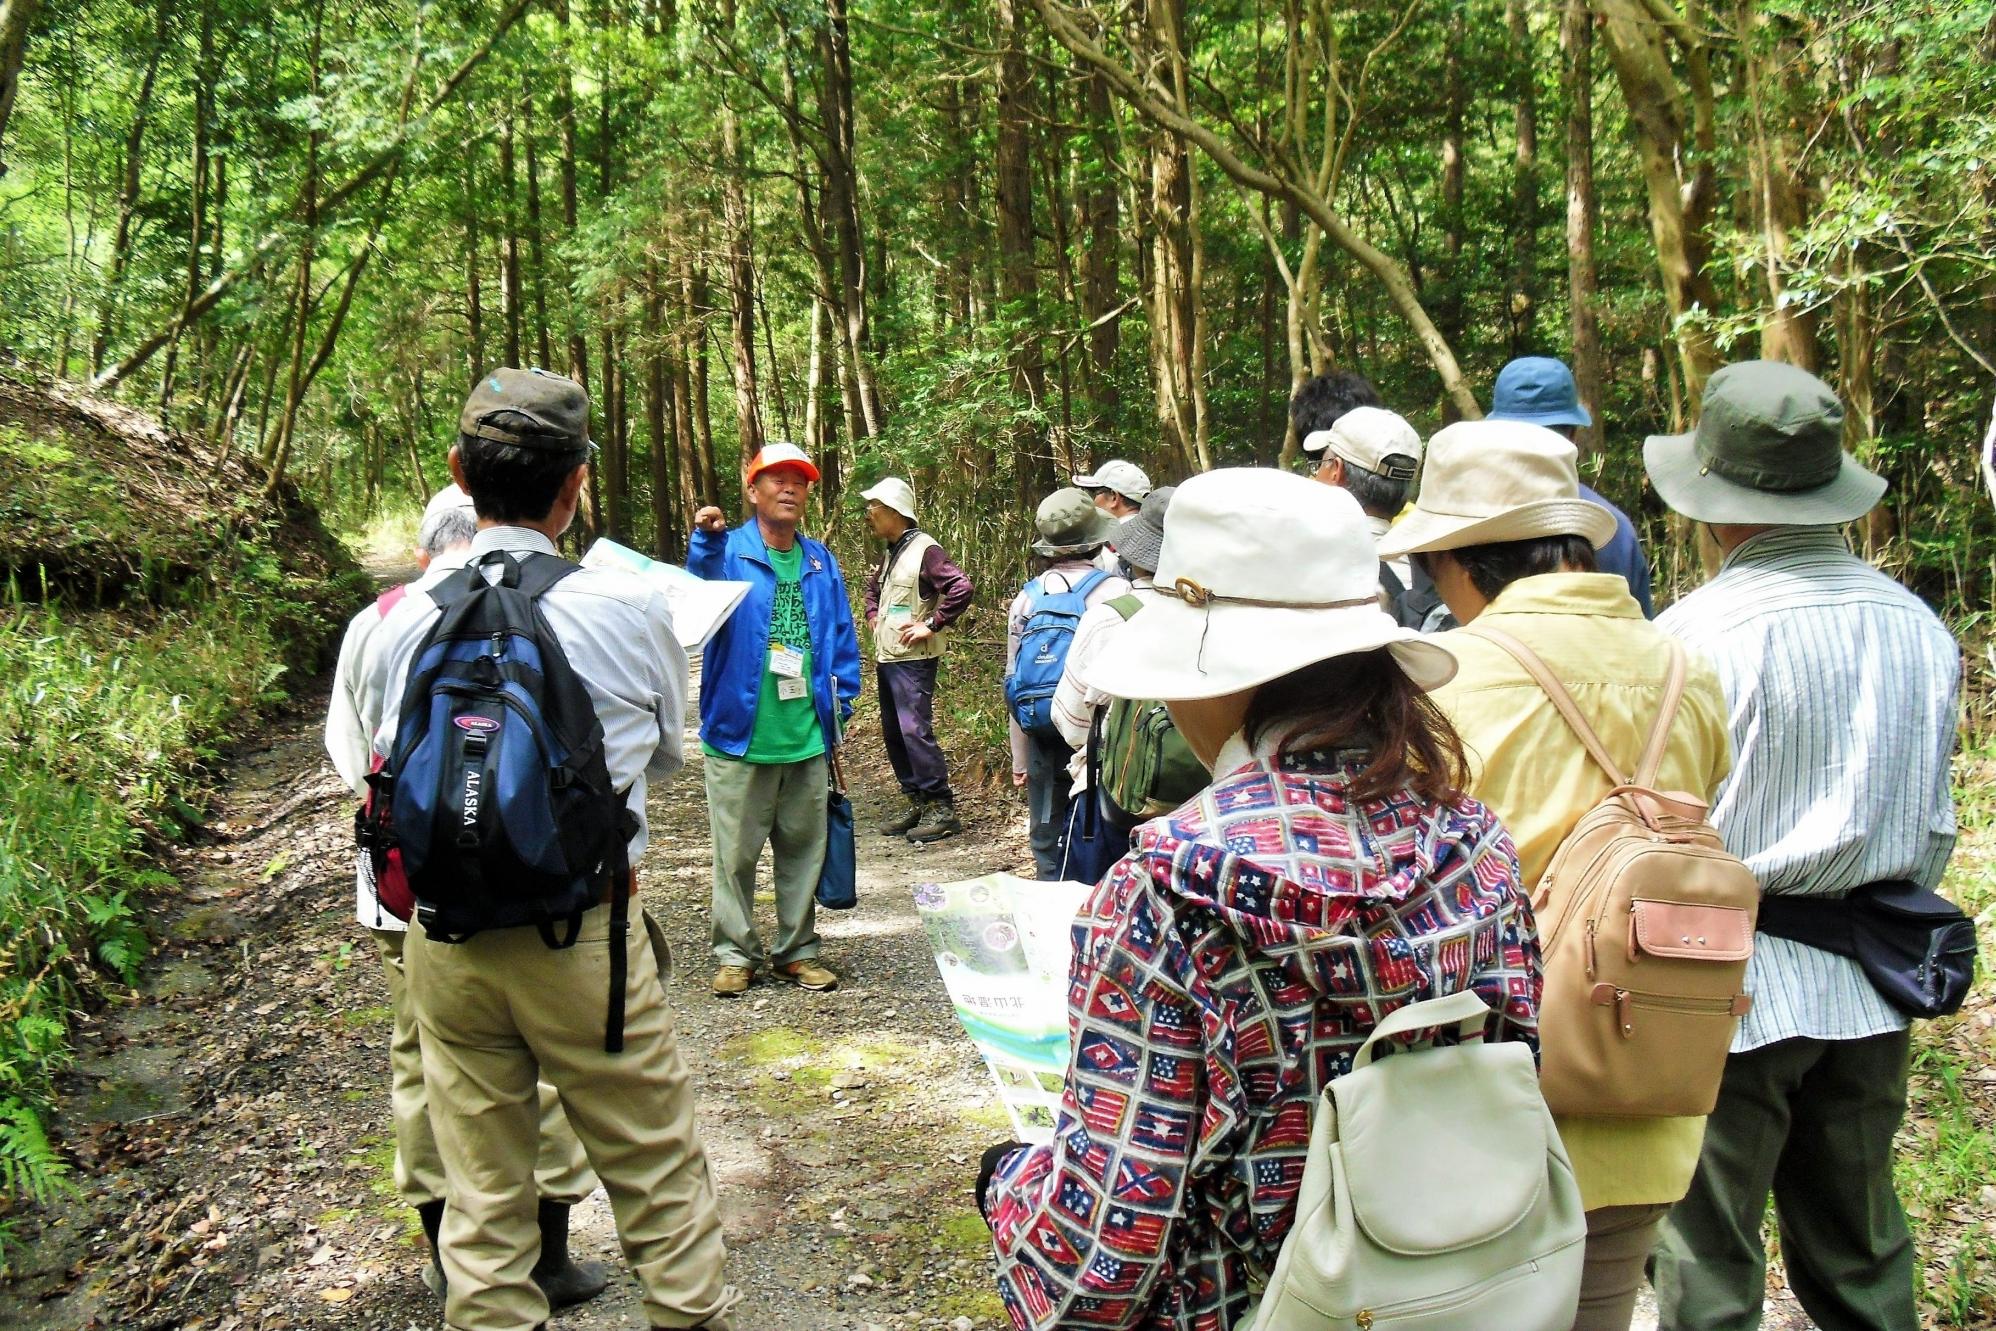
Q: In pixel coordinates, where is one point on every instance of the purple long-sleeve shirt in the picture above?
(940, 578)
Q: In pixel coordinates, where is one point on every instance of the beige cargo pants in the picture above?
(561, 1171)
(503, 1010)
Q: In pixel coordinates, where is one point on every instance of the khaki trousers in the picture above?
(500, 1011)
(782, 804)
(1618, 1242)
(561, 1174)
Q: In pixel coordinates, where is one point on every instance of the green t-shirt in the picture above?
(786, 729)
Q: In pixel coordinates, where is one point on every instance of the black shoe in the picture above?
(432, 1216)
(899, 824)
(565, 1283)
(938, 821)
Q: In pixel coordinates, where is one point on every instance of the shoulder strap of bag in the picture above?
(1464, 1010)
(1659, 732)
(1562, 701)
(1126, 605)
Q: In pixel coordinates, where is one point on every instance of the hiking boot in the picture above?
(808, 975)
(938, 821)
(432, 1216)
(565, 1283)
(899, 824)
(732, 981)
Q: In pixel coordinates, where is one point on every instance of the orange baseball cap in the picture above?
(781, 455)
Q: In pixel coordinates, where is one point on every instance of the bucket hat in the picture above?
(1768, 449)
(1262, 573)
(1142, 535)
(1125, 478)
(779, 454)
(1367, 437)
(895, 493)
(1492, 481)
(1069, 524)
(527, 409)
(1539, 391)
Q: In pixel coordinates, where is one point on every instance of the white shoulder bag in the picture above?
(1437, 1195)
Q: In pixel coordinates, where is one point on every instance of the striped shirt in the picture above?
(1841, 687)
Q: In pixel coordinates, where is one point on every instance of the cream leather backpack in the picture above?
(1437, 1195)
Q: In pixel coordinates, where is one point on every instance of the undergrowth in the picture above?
(107, 721)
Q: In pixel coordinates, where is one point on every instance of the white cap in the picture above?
(1125, 478)
(895, 493)
(1368, 436)
(442, 504)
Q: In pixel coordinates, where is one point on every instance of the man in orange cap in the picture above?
(776, 686)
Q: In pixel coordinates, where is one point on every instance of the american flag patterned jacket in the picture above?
(1225, 971)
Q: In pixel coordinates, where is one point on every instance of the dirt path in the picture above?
(232, 1124)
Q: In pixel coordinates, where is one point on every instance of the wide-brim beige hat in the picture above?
(1262, 573)
(1488, 482)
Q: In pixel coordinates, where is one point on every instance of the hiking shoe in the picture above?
(808, 975)
(732, 981)
(899, 824)
(938, 821)
(563, 1281)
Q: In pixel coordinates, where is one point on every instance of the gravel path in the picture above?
(231, 1123)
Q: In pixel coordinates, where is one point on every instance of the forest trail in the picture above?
(233, 1122)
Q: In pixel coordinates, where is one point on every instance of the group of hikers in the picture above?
(1398, 732)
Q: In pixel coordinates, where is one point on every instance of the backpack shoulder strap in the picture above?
(1088, 584)
(1562, 701)
(1126, 605)
(539, 572)
(389, 599)
(1659, 734)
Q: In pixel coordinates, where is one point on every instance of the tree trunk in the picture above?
(197, 203)
(15, 15)
(564, 115)
(1780, 193)
(128, 188)
(1523, 305)
(1101, 255)
(542, 342)
(698, 303)
(1673, 130)
(474, 303)
(277, 448)
(1582, 215)
(667, 518)
(1018, 281)
(1451, 306)
(842, 204)
(509, 254)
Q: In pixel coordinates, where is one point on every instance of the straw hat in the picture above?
(1262, 573)
(1768, 449)
(1487, 482)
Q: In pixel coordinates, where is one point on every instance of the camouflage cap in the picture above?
(528, 409)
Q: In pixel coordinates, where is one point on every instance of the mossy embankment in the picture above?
(153, 601)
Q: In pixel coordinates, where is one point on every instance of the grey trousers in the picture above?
(782, 805)
(1618, 1242)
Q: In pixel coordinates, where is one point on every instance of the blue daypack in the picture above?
(1051, 618)
(497, 796)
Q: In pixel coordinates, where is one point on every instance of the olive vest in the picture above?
(901, 602)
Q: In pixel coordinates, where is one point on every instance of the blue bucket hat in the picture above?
(1538, 390)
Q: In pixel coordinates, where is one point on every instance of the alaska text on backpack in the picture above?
(497, 795)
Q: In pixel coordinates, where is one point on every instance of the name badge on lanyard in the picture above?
(787, 664)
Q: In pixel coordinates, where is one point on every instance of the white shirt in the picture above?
(616, 632)
(1842, 688)
(1075, 703)
(1403, 567)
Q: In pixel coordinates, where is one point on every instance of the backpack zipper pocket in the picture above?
(1626, 1001)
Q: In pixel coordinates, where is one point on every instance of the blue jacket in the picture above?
(732, 667)
(1624, 554)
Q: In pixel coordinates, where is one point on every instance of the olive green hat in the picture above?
(528, 409)
(1768, 449)
(1069, 523)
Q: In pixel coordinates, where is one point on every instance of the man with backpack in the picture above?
(1039, 631)
(561, 1174)
(1373, 454)
(776, 686)
(533, 700)
(1565, 694)
(915, 593)
(1841, 686)
(1129, 762)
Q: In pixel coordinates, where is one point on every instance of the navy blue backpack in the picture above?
(497, 795)
(1051, 618)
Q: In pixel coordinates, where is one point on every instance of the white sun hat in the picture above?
(1262, 573)
(1488, 482)
(1125, 478)
(895, 493)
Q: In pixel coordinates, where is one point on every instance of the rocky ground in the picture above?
(231, 1122)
